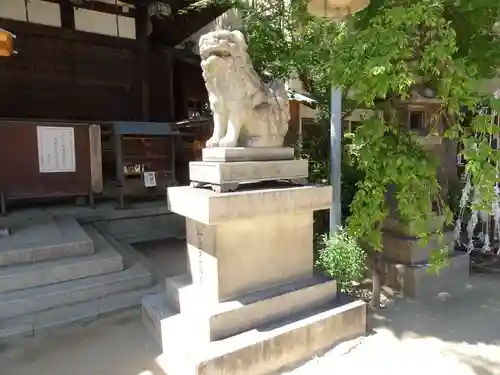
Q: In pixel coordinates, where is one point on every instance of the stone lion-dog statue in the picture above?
(247, 112)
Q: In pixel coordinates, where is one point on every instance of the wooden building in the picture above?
(92, 62)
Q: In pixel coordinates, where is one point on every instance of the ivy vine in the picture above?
(378, 57)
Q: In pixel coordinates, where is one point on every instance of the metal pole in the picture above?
(335, 156)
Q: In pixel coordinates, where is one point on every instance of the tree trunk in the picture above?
(376, 282)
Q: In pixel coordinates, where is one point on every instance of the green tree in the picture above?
(378, 57)
(388, 50)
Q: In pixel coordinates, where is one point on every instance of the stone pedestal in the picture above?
(251, 303)
(224, 169)
(407, 262)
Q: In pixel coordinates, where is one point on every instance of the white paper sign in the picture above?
(56, 149)
(149, 179)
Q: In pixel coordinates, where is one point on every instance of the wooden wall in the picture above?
(71, 75)
(66, 74)
(20, 176)
(189, 86)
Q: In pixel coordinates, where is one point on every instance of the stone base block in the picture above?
(265, 349)
(407, 250)
(233, 154)
(210, 208)
(253, 309)
(43, 239)
(435, 223)
(232, 174)
(416, 282)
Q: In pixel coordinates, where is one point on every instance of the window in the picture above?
(416, 120)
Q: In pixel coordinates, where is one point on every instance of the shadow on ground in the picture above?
(471, 316)
(464, 326)
(456, 335)
(113, 346)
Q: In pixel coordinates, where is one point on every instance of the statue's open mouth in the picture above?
(216, 53)
(213, 52)
(220, 53)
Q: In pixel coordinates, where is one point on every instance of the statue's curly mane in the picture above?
(235, 67)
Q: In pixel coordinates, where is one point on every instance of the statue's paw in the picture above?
(228, 142)
(212, 142)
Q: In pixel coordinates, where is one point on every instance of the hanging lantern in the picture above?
(159, 9)
(336, 9)
(6, 43)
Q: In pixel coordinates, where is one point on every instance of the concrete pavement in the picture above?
(457, 335)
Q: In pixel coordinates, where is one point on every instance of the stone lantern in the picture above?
(406, 270)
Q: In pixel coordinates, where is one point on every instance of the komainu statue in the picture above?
(247, 112)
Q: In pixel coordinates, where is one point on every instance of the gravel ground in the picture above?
(455, 335)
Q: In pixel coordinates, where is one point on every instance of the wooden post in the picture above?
(6, 50)
(170, 85)
(95, 158)
(142, 61)
(120, 173)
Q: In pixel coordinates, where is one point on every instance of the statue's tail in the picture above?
(279, 100)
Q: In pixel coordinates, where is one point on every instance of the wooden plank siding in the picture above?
(65, 74)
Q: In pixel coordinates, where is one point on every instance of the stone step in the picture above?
(266, 349)
(255, 309)
(42, 239)
(69, 292)
(155, 310)
(283, 343)
(105, 260)
(78, 314)
(142, 229)
(247, 311)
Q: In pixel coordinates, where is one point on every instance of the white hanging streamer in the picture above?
(489, 221)
(457, 230)
(471, 225)
(486, 244)
(464, 200)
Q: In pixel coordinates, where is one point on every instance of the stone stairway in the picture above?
(54, 271)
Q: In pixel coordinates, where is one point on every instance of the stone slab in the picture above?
(145, 228)
(42, 239)
(179, 291)
(14, 331)
(249, 311)
(414, 281)
(122, 301)
(211, 208)
(260, 351)
(155, 310)
(435, 223)
(102, 211)
(223, 173)
(232, 154)
(78, 314)
(255, 309)
(275, 250)
(403, 249)
(104, 260)
(37, 299)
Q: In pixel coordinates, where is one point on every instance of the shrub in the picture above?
(341, 258)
